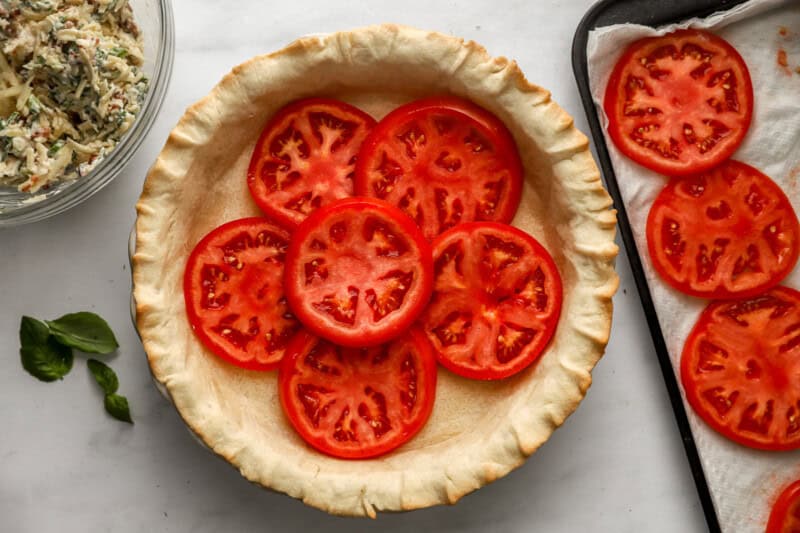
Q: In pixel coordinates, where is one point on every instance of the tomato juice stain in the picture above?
(791, 180)
(782, 58)
(783, 61)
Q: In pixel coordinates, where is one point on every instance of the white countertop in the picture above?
(616, 465)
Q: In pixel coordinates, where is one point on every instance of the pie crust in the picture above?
(479, 431)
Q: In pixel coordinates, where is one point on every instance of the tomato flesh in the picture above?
(233, 288)
(358, 402)
(740, 369)
(729, 232)
(785, 515)
(305, 158)
(443, 161)
(496, 300)
(680, 103)
(358, 272)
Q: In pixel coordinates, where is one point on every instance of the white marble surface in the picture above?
(617, 464)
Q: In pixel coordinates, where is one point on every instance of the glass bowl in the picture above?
(155, 21)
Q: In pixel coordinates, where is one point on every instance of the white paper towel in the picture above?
(743, 482)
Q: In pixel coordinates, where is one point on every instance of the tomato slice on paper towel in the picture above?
(785, 515)
(443, 161)
(305, 158)
(355, 403)
(496, 300)
(726, 233)
(680, 103)
(233, 288)
(740, 369)
(358, 272)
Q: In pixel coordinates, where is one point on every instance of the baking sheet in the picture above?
(743, 482)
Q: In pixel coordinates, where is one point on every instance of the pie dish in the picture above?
(478, 431)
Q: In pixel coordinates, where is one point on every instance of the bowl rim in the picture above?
(112, 165)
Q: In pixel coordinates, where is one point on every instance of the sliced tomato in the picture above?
(233, 287)
(785, 515)
(729, 232)
(496, 300)
(740, 369)
(680, 103)
(358, 402)
(443, 161)
(358, 272)
(305, 158)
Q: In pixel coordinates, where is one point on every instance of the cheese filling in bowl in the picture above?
(80, 85)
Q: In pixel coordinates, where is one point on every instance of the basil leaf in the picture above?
(119, 52)
(32, 331)
(34, 105)
(117, 406)
(104, 376)
(55, 147)
(84, 331)
(43, 357)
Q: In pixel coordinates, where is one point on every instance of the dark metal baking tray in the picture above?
(650, 13)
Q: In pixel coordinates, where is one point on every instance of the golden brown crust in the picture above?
(198, 182)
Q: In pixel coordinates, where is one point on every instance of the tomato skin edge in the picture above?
(194, 318)
(781, 507)
(276, 215)
(290, 411)
(490, 374)
(293, 256)
(611, 98)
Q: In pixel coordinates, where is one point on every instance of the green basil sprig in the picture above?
(46, 353)
(116, 405)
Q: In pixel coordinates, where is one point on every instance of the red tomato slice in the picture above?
(729, 232)
(358, 272)
(443, 161)
(358, 402)
(740, 369)
(679, 104)
(496, 300)
(785, 516)
(233, 287)
(306, 157)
